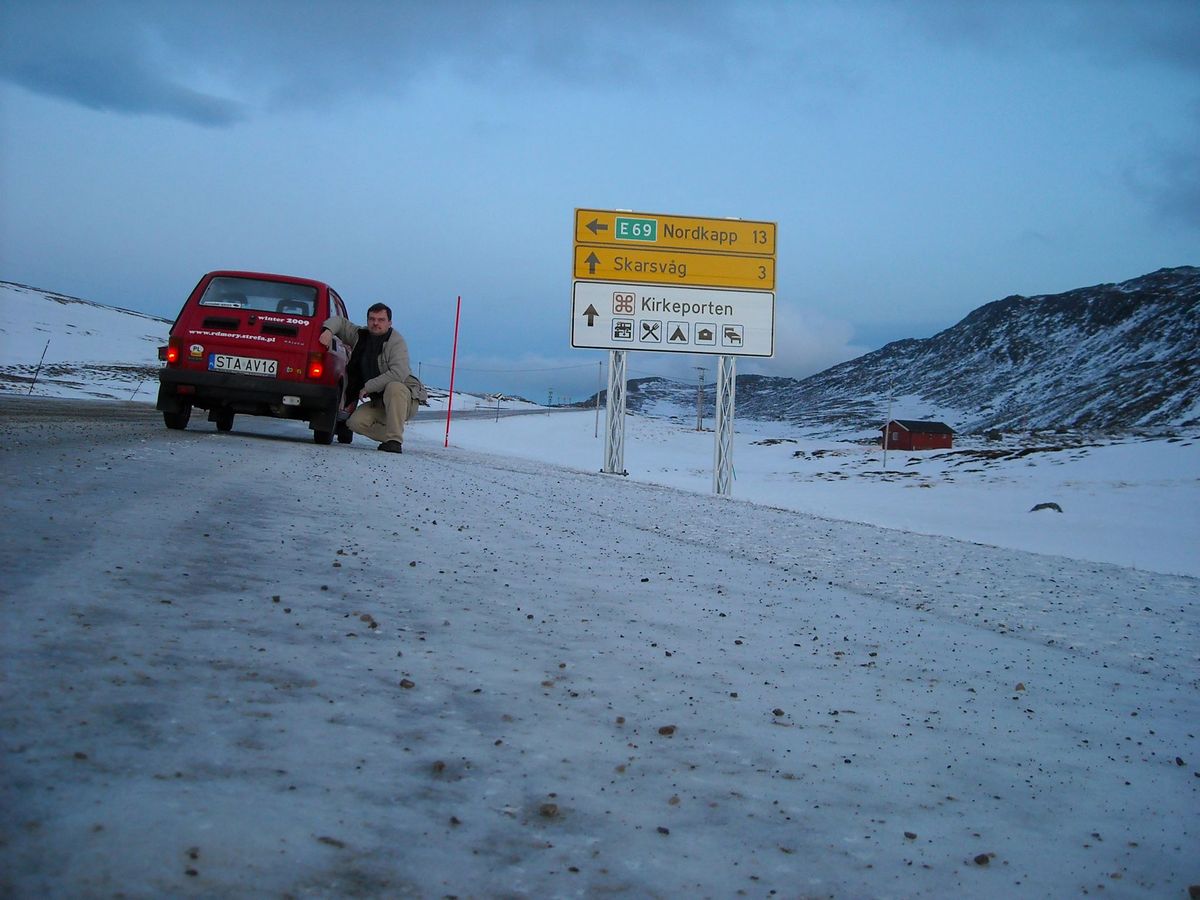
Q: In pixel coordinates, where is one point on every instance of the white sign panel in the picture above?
(607, 315)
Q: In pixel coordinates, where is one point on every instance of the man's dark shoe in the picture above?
(391, 447)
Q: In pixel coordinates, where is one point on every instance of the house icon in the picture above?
(705, 335)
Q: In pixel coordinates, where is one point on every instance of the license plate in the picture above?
(242, 365)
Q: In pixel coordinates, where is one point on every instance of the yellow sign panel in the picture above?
(614, 227)
(671, 267)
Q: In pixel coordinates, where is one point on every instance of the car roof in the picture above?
(266, 276)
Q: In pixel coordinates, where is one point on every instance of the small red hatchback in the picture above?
(246, 342)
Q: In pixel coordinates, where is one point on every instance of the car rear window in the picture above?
(263, 296)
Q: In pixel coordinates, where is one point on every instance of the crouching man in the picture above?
(380, 380)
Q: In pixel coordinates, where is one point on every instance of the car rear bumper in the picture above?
(251, 394)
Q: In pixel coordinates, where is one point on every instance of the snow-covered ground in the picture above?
(1132, 502)
(74, 347)
(246, 665)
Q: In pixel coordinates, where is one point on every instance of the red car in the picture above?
(246, 343)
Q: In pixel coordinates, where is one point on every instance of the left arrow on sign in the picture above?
(596, 226)
(590, 314)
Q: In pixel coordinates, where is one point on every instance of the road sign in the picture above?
(628, 228)
(709, 235)
(675, 284)
(674, 267)
(610, 315)
(685, 284)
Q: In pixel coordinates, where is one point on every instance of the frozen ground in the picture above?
(241, 664)
(1131, 501)
(245, 665)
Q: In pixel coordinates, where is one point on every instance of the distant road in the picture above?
(23, 408)
(19, 407)
(483, 413)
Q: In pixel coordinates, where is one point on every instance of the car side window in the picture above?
(339, 308)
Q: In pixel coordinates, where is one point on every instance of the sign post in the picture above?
(614, 416)
(673, 284)
(723, 456)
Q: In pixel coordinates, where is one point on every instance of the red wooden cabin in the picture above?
(904, 434)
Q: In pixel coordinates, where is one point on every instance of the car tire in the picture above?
(177, 421)
(224, 420)
(322, 437)
(344, 434)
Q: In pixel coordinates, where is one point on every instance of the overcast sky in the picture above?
(920, 159)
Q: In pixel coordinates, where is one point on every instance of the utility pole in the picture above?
(700, 400)
(887, 429)
(549, 400)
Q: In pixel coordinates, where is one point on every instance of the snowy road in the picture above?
(246, 665)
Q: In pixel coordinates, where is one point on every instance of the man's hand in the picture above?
(326, 338)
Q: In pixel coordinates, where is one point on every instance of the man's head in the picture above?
(379, 318)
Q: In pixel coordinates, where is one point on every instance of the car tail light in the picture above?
(174, 351)
(316, 365)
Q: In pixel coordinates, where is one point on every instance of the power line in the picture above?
(638, 372)
(509, 371)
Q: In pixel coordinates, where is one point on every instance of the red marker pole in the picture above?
(453, 359)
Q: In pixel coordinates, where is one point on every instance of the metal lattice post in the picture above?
(614, 430)
(723, 461)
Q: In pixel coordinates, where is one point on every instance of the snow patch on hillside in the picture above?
(76, 348)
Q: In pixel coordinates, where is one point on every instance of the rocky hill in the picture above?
(1112, 357)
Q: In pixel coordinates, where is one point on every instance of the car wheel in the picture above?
(322, 437)
(224, 420)
(344, 434)
(178, 420)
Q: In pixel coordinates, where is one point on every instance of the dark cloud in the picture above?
(323, 51)
(100, 57)
(1165, 32)
(123, 86)
(156, 58)
(1106, 32)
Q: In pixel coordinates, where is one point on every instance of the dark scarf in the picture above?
(364, 359)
